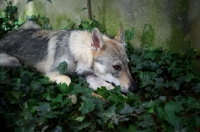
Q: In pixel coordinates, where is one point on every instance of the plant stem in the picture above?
(89, 9)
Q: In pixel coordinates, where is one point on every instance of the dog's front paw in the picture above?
(58, 78)
(109, 86)
(63, 79)
(95, 82)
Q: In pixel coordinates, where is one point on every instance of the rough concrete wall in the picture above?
(155, 17)
(135, 13)
(59, 11)
(194, 16)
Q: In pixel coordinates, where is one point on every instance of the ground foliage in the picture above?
(8, 19)
(167, 97)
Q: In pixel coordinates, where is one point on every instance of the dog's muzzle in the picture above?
(125, 90)
(132, 88)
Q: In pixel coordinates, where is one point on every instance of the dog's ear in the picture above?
(120, 37)
(97, 41)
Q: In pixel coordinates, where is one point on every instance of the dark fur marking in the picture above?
(20, 42)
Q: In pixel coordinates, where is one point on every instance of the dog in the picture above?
(101, 60)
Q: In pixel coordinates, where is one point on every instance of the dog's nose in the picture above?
(133, 87)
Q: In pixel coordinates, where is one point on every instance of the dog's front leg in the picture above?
(95, 82)
(58, 78)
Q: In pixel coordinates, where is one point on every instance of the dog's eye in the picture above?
(117, 67)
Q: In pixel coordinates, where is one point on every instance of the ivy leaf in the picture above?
(26, 77)
(106, 114)
(189, 77)
(13, 96)
(79, 89)
(175, 85)
(117, 90)
(82, 126)
(62, 87)
(43, 108)
(160, 111)
(147, 120)
(103, 92)
(170, 109)
(132, 128)
(110, 112)
(178, 127)
(86, 107)
(159, 82)
(57, 129)
(146, 78)
(62, 68)
(59, 98)
(116, 98)
(197, 87)
(80, 118)
(2, 75)
(149, 55)
(127, 109)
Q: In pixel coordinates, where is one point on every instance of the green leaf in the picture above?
(117, 90)
(170, 109)
(197, 119)
(110, 125)
(19, 22)
(127, 109)
(178, 127)
(58, 129)
(163, 98)
(59, 98)
(63, 87)
(159, 82)
(29, 125)
(80, 118)
(132, 128)
(2, 75)
(13, 96)
(110, 112)
(196, 87)
(26, 77)
(79, 89)
(150, 110)
(82, 126)
(62, 68)
(146, 121)
(43, 108)
(189, 77)
(86, 107)
(146, 78)
(84, 8)
(103, 92)
(175, 85)
(116, 98)
(32, 103)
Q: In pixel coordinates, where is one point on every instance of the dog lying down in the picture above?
(102, 60)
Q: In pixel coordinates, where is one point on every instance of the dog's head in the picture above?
(111, 61)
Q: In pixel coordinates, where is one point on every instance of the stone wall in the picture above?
(165, 23)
